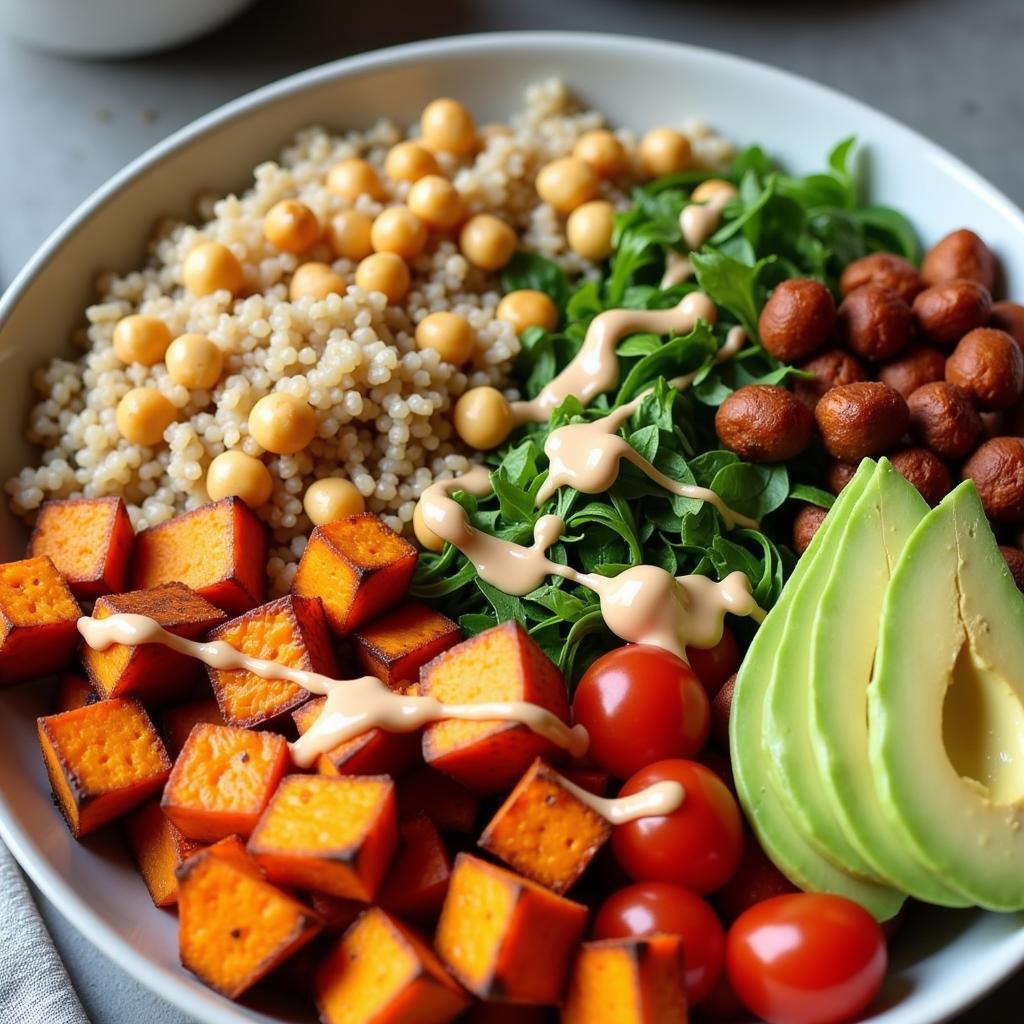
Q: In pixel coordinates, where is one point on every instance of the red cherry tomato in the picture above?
(714, 665)
(650, 907)
(806, 959)
(640, 704)
(697, 846)
(757, 879)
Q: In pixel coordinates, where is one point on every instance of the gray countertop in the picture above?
(950, 68)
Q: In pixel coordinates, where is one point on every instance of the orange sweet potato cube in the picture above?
(639, 980)
(504, 937)
(397, 645)
(151, 672)
(73, 691)
(448, 805)
(219, 550)
(223, 779)
(103, 760)
(234, 926)
(333, 835)
(358, 566)
(90, 542)
(544, 831)
(178, 721)
(37, 620)
(159, 850)
(381, 971)
(291, 631)
(415, 885)
(500, 664)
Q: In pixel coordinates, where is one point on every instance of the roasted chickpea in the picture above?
(1015, 563)
(797, 319)
(353, 178)
(483, 418)
(761, 423)
(282, 423)
(589, 230)
(886, 270)
(448, 126)
(838, 475)
(449, 335)
(603, 151)
(437, 202)
(234, 474)
(989, 366)
(528, 308)
(487, 241)
(943, 418)
(960, 256)
(409, 161)
(141, 339)
(712, 189)
(212, 267)
(424, 534)
(349, 234)
(194, 361)
(567, 183)
(830, 369)
(806, 524)
(946, 312)
(291, 226)
(874, 322)
(861, 419)
(925, 470)
(330, 499)
(384, 272)
(997, 469)
(316, 281)
(664, 151)
(1009, 317)
(143, 415)
(397, 229)
(919, 365)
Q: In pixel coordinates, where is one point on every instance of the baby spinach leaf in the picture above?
(536, 272)
(812, 495)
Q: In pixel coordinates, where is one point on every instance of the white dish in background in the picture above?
(945, 959)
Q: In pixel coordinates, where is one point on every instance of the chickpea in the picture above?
(316, 281)
(409, 161)
(961, 255)
(282, 423)
(143, 415)
(1014, 562)
(797, 319)
(885, 269)
(141, 339)
(291, 226)
(589, 229)
(437, 202)
(483, 418)
(448, 126)
(713, 188)
(332, 498)
(761, 423)
(919, 365)
(997, 469)
(874, 322)
(664, 151)
(353, 178)
(212, 267)
(487, 241)
(384, 272)
(349, 235)
(397, 229)
(449, 335)
(603, 151)
(989, 366)
(234, 474)
(838, 475)
(528, 308)
(946, 312)
(567, 183)
(943, 418)
(830, 368)
(862, 419)
(806, 524)
(424, 534)
(1009, 317)
(194, 361)
(925, 470)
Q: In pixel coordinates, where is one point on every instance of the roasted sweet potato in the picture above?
(223, 779)
(151, 672)
(394, 647)
(358, 566)
(73, 691)
(333, 835)
(416, 883)
(500, 664)
(103, 759)
(178, 721)
(159, 850)
(381, 971)
(451, 807)
(505, 937)
(90, 542)
(219, 550)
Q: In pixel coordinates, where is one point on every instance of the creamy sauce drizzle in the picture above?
(698, 222)
(655, 800)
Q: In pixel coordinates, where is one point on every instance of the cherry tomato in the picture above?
(757, 879)
(697, 846)
(650, 907)
(806, 959)
(714, 665)
(639, 705)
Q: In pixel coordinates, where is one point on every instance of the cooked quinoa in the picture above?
(382, 404)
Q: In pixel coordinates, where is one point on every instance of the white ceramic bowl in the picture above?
(946, 959)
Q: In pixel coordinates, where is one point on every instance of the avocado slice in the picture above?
(946, 704)
(782, 840)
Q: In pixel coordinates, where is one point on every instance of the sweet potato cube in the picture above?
(103, 759)
(235, 927)
(505, 937)
(360, 568)
(159, 849)
(219, 550)
(291, 631)
(151, 672)
(333, 835)
(73, 691)
(394, 647)
(544, 831)
(448, 805)
(500, 664)
(178, 721)
(381, 971)
(223, 779)
(415, 885)
(37, 620)
(90, 542)
(628, 981)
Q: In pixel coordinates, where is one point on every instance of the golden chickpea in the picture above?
(409, 161)
(567, 183)
(349, 235)
(449, 335)
(449, 127)
(713, 188)
(528, 308)
(143, 415)
(603, 151)
(483, 418)
(332, 498)
(589, 229)
(211, 267)
(664, 151)
(437, 202)
(487, 241)
(315, 280)
(424, 534)
(282, 423)
(141, 339)
(353, 178)
(398, 230)
(194, 361)
(384, 272)
(237, 475)
(291, 226)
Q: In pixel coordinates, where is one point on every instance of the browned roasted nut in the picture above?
(925, 470)
(797, 319)
(839, 474)
(885, 269)
(805, 526)
(874, 322)
(919, 365)
(989, 366)
(944, 419)
(857, 420)
(761, 423)
(1009, 317)
(946, 312)
(961, 255)
(997, 469)
(1015, 563)
(830, 369)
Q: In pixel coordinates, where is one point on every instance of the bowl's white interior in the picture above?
(946, 959)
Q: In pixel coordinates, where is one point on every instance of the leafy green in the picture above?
(530, 270)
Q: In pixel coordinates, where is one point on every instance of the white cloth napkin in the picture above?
(34, 986)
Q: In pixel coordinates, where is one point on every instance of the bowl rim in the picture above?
(164, 982)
